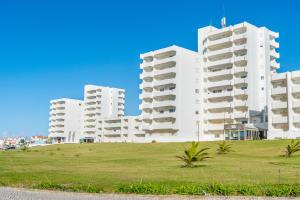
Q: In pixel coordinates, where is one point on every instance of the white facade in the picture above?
(121, 129)
(236, 65)
(65, 120)
(284, 106)
(99, 103)
(170, 104)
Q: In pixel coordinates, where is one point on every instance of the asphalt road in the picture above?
(25, 194)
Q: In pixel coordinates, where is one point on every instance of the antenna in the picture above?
(223, 21)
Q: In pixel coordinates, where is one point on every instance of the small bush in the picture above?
(77, 155)
(292, 148)
(276, 190)
(24, 148)
(70, 188)
(153, 141)
(58, 149)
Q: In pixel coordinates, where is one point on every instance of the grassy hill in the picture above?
(109, 165)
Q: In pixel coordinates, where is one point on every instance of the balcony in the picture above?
(241, 115)
(274, 64)
(239, 37)
(296, 104)
(145, 85)
(215, 127)
(240, 92)
(240, 81)
(219, 84)
(240, 60)
(295, 75)
(296, 118)
(111, 133)
(163, 126)
(146, 95)
(166, 114)
(279, 120)
(296, 89)
(278, 77)
(219, 116)
(164, 93)
(274, 54)
(165, 71)
(220, 33)
(220, 42)
(161, 104)
(219, 95)
(219, 73)
(279, 105)
(146, 65)
(279, 91)
(240, 48)
(219, 53)
(170, 81)
(158, 62)
(165, 63)
(240, 104)
(218, 105)
(147, 116)
(146, 75)
(240, 70)
(146, 106)
(274, 44)
(116, 125)
(146, 127)
(220, 63)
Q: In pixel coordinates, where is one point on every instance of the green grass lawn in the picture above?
(109, 165)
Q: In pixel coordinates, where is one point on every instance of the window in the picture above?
(262, 78)
(243, 88)
(197, 91)
(197, 112)
(171, 110)
(262, 89)
(244, 76)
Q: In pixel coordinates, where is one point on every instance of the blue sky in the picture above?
(52, 48)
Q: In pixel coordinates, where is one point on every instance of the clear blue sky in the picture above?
(52, 48)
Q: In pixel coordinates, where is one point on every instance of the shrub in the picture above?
(193, 155)
(292, 148)
(70, 188)
(24, 148)
(224, 147)
(276, 190)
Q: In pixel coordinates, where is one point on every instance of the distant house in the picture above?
(10, 142)
(38, 140)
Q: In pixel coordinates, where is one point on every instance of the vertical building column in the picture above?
(290, 105)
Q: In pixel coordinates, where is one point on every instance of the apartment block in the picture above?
(65, 120)
(99, 103)
(284, 106)
(121, 129)
(236, 64)
(170, 94)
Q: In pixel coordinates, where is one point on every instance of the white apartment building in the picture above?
(65, 120)
(99, 103)
(236, 63)
(170, 94)
(284, 106)
(121, 129)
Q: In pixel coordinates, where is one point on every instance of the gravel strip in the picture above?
(26, 194)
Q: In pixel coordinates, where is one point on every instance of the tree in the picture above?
(292, 148)
(224, 147)
(193, 154)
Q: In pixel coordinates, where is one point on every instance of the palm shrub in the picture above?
(224, 147)
(193, 155)
(292, 148)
